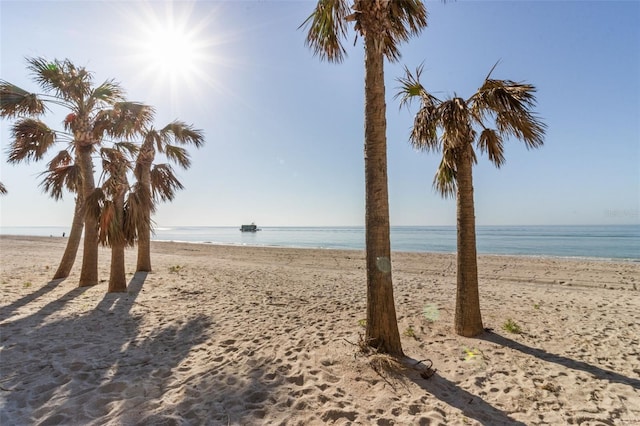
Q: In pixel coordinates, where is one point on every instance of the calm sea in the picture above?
(606, 242)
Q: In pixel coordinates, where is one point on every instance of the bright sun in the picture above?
(171, 48)
(172, 53)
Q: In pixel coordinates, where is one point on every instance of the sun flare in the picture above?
(172, 46)
(172, 52)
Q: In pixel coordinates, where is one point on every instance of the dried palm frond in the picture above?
(31, 140)
(15, 101)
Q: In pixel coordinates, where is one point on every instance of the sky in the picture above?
(284, 131)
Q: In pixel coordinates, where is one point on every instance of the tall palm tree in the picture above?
(117, 222)
(63, 173)
(72, 88)
(507, 105)
(31, 140)
(383, 25)
(158, 182)
(107, 205)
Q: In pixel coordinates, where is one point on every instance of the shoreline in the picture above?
(453, 253)
(393, 252)
(259, 335)
(609, 242)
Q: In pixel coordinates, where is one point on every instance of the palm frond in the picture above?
(491, 70)
(15, 101)
(48, 74)
(184, 133)
(94, 203)
(511, 103)
(130, 149)
(66, 80)
(108, 223)
(411, 88)
(524, 126)
(141, 199)
(56, 180)
(455, 120)
(31, 140)
(177, 155)
(404, 19)
(112, 217)
(108, 92)
(445, 180)
(61, 159)
(424, 135)
(103, 123)
(504, 95)
(138, 209)
(129, 225)
(491, 142)
(164, 183)
(61, 173)
(123, 120)
(3, 189)
(327, 27)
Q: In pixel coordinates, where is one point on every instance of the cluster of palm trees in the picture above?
(447, 126)
(100, 124)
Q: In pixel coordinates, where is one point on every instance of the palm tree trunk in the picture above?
(143, 173)
(144, 249)
(75, 235)
(382, 326)
(144, 228)
(468, 319)
(89, 271)
(117, 277)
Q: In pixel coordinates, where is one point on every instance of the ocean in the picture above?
(621, 242)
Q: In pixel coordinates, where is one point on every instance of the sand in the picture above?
(221, 335)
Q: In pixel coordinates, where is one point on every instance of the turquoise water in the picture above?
(607, 242)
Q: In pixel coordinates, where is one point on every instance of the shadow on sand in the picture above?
(597, 372)
(476, 408)
(7, 311)
(87, 365)
(472, 406)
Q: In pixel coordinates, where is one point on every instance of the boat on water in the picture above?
(249, 228)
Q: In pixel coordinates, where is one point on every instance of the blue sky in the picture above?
(284, 131)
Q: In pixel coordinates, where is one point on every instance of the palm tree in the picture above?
(31, 140)
(506, 104)
(117, 223)
(63, 173)
(383, 25)
(158, 182)
(107, 205)
(72, 88)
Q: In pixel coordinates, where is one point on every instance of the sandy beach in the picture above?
(229, 335)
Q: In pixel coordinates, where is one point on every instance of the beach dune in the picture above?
(221, 335)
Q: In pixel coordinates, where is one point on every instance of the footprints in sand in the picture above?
(237, 340)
